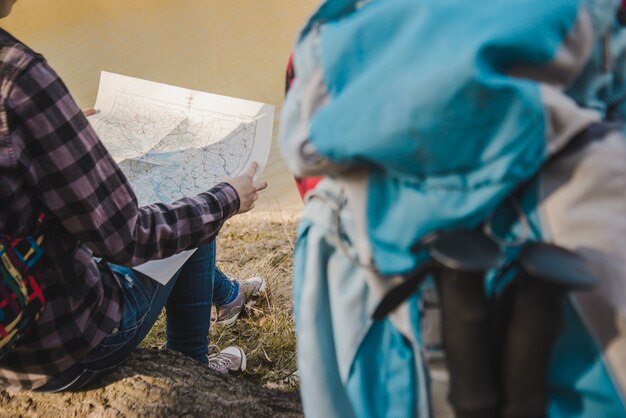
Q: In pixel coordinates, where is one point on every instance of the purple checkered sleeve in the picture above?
(51, 160)
(78, 181)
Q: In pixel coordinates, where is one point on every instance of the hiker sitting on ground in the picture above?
(96, 314)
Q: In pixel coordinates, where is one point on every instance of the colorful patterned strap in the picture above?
(21, 295)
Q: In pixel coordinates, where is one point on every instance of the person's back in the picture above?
(30, 171)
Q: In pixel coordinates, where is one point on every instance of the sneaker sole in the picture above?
(227, 322)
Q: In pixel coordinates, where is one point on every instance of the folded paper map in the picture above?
(173, 142)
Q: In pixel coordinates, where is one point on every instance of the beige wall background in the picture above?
(236, 48)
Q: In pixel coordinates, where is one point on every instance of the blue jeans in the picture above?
(187, 298)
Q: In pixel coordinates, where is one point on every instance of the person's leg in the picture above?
(224, 289)
(189, 313)
(144, 299)
(189, 305)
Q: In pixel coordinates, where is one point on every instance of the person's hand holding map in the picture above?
(247, 188)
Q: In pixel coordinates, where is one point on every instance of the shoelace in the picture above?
(215, 361)
(221, 362)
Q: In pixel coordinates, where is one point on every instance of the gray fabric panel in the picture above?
(307, 95)
(585, 210)
(564, 118)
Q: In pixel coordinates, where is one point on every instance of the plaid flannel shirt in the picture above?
(52, 160)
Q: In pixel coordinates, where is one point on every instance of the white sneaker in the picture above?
(226, 315)
(230, 359)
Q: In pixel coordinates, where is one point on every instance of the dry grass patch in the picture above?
(258, 245)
